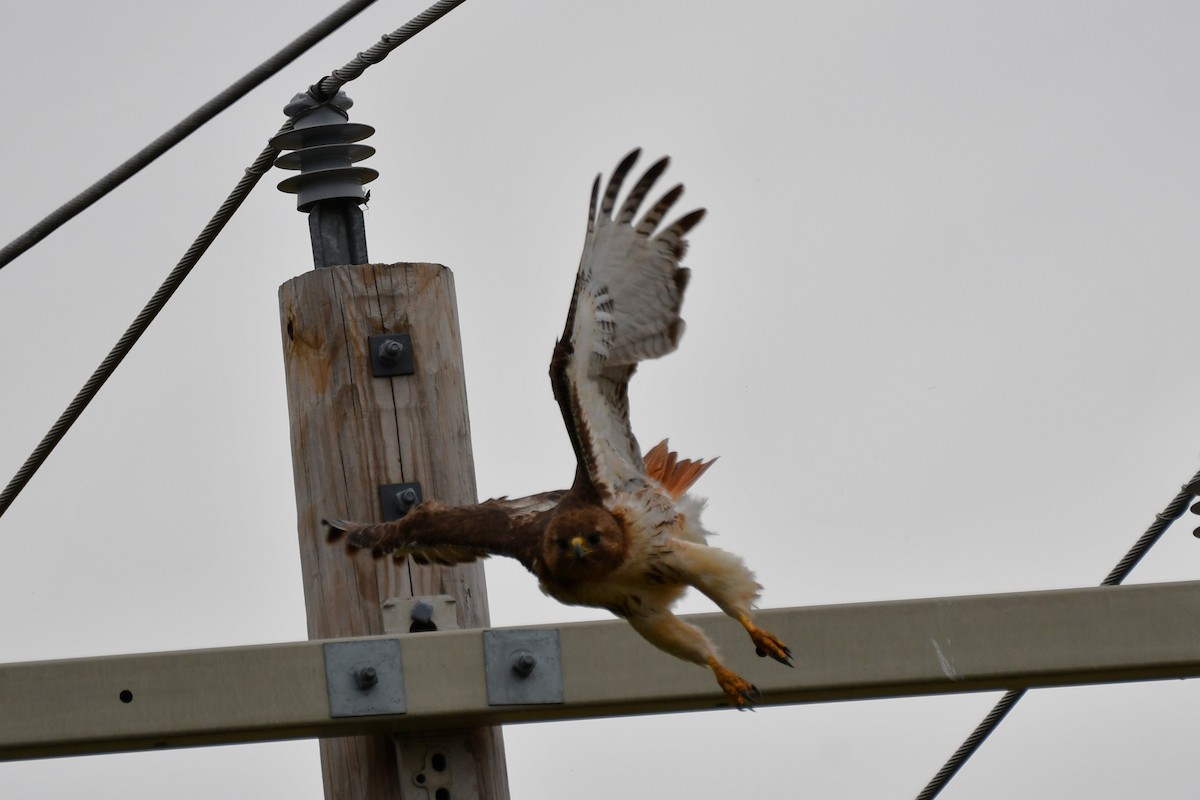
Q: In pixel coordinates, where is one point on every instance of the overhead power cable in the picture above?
(327, 87)
(140, 323)
(206, 237)
(1162, 521)
(186, 127)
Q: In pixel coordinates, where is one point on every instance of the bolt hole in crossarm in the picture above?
(126, 696)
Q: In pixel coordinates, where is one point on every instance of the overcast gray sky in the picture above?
(942, 326)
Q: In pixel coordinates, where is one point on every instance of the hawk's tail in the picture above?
(675, 474)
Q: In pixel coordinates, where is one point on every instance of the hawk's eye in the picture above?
(562, 545)
(593, 538)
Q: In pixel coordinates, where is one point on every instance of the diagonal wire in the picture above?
(140, 323)
(206, 237)
(1162, 521)
(184, 128)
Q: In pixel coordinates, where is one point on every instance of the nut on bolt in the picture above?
(422, 612)
(390, 352)
(406, 499)
(524, 663)
(366, 678)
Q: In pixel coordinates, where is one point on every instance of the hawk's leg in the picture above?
(683, 640)
(727, 581)
(765, 642)
(741, 692)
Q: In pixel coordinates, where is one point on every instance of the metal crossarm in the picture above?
(857, 651)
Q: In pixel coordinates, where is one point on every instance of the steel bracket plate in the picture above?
(364, 678)
(397, 499)
(523, 667)
(391, 354)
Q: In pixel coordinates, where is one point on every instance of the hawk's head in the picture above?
(583, 543)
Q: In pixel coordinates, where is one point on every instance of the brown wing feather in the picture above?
(676, 476)
(434, 533)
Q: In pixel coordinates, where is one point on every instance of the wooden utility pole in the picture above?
(353, 432)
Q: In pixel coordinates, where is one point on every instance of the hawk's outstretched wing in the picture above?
(625, 309)
(434, 533)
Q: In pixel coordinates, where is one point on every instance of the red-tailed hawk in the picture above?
(625, 536)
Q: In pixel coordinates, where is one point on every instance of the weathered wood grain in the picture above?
(352, 432)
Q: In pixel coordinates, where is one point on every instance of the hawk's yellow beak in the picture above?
(578, 546)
